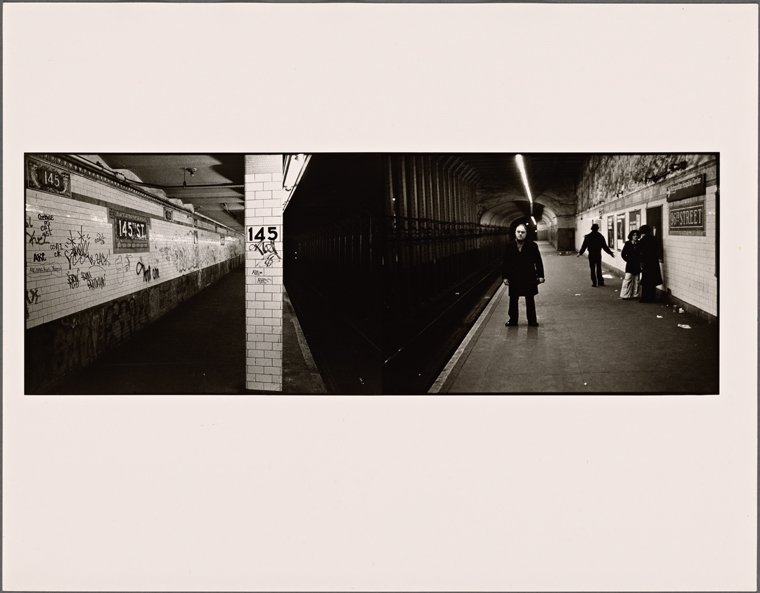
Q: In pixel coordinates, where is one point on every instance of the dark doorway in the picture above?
(654, 220)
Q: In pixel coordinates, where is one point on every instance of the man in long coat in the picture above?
(523, 271)
(595, 242)
(649, 257)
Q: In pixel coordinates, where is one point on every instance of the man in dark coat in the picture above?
(595, 242)
(649, 258)
(523, 271)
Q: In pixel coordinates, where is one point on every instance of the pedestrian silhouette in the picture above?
(595, 242)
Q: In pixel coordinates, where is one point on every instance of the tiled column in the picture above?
(264, 197)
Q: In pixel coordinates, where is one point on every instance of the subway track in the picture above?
(351, 362)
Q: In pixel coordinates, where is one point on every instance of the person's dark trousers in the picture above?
(596, 271)
(648, 292)
(530, 309)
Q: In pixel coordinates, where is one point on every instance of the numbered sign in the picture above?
(262, 251)
(262, 233)
(44, 177)
(130, 232)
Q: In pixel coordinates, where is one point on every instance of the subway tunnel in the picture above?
(360, 273)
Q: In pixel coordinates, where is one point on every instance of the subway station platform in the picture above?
(588, 341)
(198, 348)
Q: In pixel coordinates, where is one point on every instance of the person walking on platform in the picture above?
(649, 256)
(523, 271)
(595, 242)
(630, 254)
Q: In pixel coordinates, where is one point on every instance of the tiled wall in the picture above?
(689, 261)
(70, 259)
(688, 267)
(82, 298)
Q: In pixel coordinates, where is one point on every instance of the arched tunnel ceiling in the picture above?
(501, 194)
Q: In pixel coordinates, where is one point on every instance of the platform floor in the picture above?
(588, 341)
(198, 348)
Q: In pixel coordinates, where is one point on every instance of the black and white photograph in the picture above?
(379, 296)
(371, 273)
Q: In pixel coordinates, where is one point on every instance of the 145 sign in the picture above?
(269, 233)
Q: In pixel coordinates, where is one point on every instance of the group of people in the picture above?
(523, 268)
(642, 266)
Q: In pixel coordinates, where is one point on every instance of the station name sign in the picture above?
(688, 188)
(41, 176)
(130, 232)
(687, 218)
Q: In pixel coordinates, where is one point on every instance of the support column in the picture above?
(264, 199)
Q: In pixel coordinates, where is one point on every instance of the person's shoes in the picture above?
(593, 286)
(534, 324)
(601, 284)
(510, 323)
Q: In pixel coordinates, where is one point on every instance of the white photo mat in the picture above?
(486, 493)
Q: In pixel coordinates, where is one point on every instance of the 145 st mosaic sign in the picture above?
(130, 232)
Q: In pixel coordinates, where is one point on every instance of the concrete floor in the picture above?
(588, 341)
(198, 348)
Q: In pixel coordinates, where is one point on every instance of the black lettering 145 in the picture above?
(271, 231)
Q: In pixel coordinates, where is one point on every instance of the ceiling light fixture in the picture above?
(185, 171)
(294, 166)
(521, 166)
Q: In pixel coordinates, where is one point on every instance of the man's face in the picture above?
(521, 233)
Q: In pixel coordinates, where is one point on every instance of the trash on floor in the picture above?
(684, 326)
(607, 276)
(680, 309)
(577, 294)
(659, 317)
(585, 383)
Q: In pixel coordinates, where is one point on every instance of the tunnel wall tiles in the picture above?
(71, 264)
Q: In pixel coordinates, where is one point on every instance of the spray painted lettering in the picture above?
(45, 229)
(32, 296)
(46, 269)
(95, 277)
(78, 251)
(77, 248)
(123, 265)
(57, 249)
(147, 272)
(266, 253)
(73, 279)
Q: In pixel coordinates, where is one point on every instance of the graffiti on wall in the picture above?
(67, 260)
(606, 177)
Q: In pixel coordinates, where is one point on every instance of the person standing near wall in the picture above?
(649, 255)
(523, 272)
(595, 242)
(630, 254)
